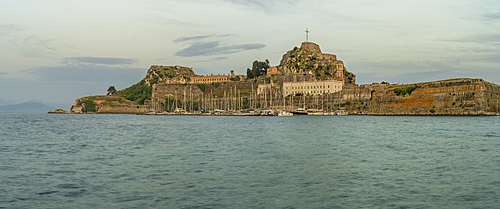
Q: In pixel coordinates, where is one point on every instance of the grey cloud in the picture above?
(214, 48)
(102, 60)
(214, 59)
(227, 35)
(45, 43)
(190, 38)
(5, 29)
(10, 27)
(198, 38)
(492, 16)
(484, 38)
(3, 73)
(263, 5)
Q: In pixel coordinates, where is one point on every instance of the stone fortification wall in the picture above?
(134, 109)
(294, 78)
(310, 46)
(327, 56)
(449, 97)
(354, 94)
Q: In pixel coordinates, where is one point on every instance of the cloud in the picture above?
(44, 43)
(198, 38)
(265, 6)
(190, 38)
(101, 60)
(492, 16)
(4, 29)
(3, 73)
(214, 59)
(214, 48)
(483, 38)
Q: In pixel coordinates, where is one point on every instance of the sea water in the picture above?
(132, 161)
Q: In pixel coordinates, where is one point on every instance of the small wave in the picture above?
(491, 135)
(47, 192)
(68, 186)
(75, 193)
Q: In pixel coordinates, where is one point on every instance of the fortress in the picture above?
(306, 77)
(308, 58)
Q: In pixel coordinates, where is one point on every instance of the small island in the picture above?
(306, 81)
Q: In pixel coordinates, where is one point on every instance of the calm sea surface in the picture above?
(130, 161)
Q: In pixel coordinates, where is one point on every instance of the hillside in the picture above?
(141, 92)
(168, 74)
(309, 59)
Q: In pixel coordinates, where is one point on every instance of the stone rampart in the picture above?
(450, 97)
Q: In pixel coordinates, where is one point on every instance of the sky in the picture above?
(59, 50)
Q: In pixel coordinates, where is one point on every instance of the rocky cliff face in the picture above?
(448, 97)
(308, 59)
(107, 104)
(169, 74)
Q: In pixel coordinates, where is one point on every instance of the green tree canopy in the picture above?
(111, 90)
(249, 73)
(259, 68)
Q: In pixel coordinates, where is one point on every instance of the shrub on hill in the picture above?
(404, 91)
(138, 93)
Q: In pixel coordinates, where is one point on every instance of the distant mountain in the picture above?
(5, 102)
(26, 107)
(56, 105)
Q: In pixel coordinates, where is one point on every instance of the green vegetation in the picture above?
(258, 69)
(202, 87)
(432, 110)
(459, 83)
(111, 90)
(137, 93)
(216, 85)
(299, 94)
(88, 105)
(237, 78)
(404, 91)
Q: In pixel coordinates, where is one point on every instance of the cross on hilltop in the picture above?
(307, 34)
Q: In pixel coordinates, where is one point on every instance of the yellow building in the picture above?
(272, 70)
(214, 78)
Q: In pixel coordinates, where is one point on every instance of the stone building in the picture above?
(214, 78)
(312, 87)
(272, 71)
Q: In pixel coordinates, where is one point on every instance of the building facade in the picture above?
(272, 71)
(215, 78)
(312, 87)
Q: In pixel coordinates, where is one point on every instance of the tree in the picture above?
(111, 90)
(259, 68)
(232, 72)
(249, 73)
